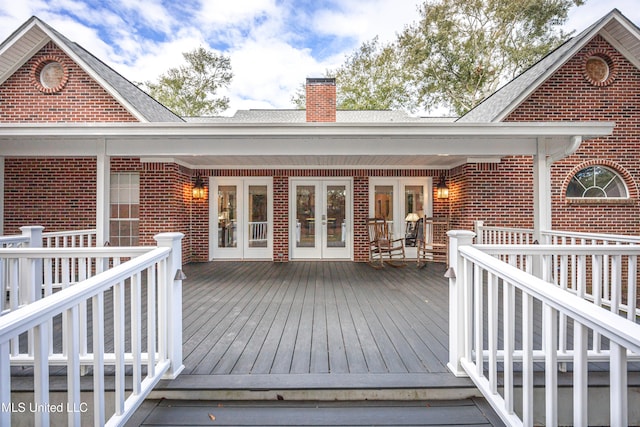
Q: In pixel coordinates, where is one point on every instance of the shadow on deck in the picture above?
(325, 326)
(314, 343)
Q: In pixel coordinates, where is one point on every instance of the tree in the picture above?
(190, 90)
(455, 55)
(461, 51)
(372, 78)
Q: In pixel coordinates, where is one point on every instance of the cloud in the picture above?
(583, 16)
(273, 44)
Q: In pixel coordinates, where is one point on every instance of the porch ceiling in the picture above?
(336, 145)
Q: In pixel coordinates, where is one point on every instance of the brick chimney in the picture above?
(321, 100)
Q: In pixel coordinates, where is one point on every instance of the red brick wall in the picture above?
(360, 216)
(280, 218)
(568, 95)
(321, 100)
(498, 193)
(165, 203)
(80, 100)
(59, 194)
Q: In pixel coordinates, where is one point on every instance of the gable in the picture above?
(68, 94)
(31, 37)
(571, 93)
(615, 28)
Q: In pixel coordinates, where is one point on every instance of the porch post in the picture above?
(541, 192)
(103, 189)
(457, 238)
(31, 281)
(173, 301)
(1, 195)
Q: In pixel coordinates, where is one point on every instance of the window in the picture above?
(597, 182)
(125, 209)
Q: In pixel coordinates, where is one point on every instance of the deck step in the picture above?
(472, 412)
(328, 387)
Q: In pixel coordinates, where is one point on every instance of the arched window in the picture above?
(597, 182)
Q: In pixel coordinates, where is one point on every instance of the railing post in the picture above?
(477, 225)
(457, 238)
(31, 270)
(174, 301)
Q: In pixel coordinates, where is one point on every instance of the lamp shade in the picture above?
(412, 217)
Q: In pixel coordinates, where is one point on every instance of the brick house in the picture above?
(82, 147)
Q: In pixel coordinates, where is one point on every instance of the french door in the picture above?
(394, 199)
(241, 212)
(320, 219)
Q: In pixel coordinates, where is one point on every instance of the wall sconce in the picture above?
(442, 189)
(198, 188)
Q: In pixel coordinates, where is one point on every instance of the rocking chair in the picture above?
(432, 241)
(382, 247)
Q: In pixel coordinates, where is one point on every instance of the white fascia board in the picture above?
(153, 140)
(337, 146)
(28, 54)
(54, 147)
(620, 47)
(154, 131)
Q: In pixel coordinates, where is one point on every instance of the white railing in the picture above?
(61, 271)
(83, 326)
(69, 239)
(503, 320)
(258, 231)
(492, 235)
(497, 235)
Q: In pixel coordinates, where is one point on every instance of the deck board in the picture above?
(278, 413)
(311, 318)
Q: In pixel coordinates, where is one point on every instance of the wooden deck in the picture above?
(313, 318)
(316, 343)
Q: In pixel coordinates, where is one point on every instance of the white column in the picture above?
(1, 195)
(541, 192)
(31, 277)
(173, 301)
(457, 238)
(103, 188)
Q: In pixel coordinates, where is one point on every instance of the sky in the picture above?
(273, 45)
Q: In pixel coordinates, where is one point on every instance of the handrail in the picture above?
(492, 322)
(21, 320)
(92, 252)
(614, 327)
(12, 240)
(488, 234)
(150, 269)
(68, 233)
(621, 238)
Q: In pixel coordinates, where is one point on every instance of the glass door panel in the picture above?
(305, 216)
(258, 224)
(227, 216)
(336, 202)
(384, 202)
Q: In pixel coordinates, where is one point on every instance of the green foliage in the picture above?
(461, 51)
(455, 55)
(190, 90)
(372, 78)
